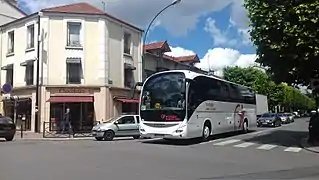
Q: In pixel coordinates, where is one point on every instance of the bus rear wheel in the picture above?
(245, 127)
(206, 131)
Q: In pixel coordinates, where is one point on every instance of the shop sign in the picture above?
(74, 90)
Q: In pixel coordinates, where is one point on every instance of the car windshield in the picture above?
(268, 115)
(164, 91)
(282, 115)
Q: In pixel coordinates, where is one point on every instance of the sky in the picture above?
(215, 30)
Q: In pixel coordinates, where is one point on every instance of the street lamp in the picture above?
(37, 91)
(148, 28)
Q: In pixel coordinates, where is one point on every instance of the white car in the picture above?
(122, 126)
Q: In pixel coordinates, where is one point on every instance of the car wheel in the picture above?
(136, 137)
(99, 138)
(108, 135)
(10, 138)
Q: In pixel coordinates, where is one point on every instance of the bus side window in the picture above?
(234, 94)
(225, 91)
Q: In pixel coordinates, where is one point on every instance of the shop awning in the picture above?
(127, 100)
(64, 99)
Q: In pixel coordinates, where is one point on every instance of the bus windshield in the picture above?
(164, 92)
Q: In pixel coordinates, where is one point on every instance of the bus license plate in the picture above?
(158, 135)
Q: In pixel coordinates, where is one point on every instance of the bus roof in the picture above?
(191, 75)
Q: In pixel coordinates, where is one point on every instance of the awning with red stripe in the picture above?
(127, 100)
(64, 99)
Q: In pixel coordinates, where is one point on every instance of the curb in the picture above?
(52, 139)
(304, 144)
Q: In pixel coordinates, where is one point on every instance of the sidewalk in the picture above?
(304, 144)
(39, 136)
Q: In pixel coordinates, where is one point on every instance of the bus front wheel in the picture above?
(206, 131)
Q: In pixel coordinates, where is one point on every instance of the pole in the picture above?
(103, 5)
(37, 78)
(146, 32)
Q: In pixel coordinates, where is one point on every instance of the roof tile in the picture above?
(79, 8)
(84, 8)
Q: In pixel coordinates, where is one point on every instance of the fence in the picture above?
(54, 130)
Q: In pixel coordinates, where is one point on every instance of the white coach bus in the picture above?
(182, 104)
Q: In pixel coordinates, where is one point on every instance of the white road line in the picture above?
(244, 145)
(267, 146)
(293, 149)
(227, 142)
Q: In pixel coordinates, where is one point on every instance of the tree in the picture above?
(255, 79)
(288, 97)
(285, 33)
(251, 77)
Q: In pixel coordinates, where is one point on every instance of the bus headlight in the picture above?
(181, 129)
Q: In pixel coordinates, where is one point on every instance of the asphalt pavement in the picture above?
(267, 153)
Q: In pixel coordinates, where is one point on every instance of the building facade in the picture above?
(156, 60)
(9, 11)
(88, 62)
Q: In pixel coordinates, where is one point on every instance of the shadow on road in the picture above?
(284, 138)
(190, 141)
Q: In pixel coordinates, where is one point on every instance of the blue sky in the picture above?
(216, 30)
(198, 40)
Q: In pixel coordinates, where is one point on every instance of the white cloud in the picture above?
(178, 20)
(218, 58)
(179, 51)
(219, 37)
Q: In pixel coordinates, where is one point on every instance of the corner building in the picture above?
(88, 62)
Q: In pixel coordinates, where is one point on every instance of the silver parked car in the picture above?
(290, 116)
(122, 126)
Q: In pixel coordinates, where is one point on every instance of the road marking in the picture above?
(244, 145)
(293, 149)
(267, 146)
(227, 142)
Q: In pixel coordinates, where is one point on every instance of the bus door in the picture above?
(235, 106)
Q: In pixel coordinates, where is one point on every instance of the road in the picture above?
(264, 154)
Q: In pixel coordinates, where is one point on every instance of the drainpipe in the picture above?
(37, 92)
(1, 33)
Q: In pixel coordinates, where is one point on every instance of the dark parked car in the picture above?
(269, 119)
(314, 129)
(7, 128)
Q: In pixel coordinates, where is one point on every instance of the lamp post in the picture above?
(148, 28)
(37, 93)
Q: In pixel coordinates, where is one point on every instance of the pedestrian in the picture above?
(241, 114)
(66, 124)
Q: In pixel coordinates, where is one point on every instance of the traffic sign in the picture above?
(7, 88)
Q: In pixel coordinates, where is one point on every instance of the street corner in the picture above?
(312, 148)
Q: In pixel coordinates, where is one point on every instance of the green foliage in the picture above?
(285, 33)
(286, 96)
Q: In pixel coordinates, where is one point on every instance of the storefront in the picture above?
(20, 109)
(86, 104)
(123, 102)
(83, 104)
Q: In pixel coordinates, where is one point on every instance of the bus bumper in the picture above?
(175, 135)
